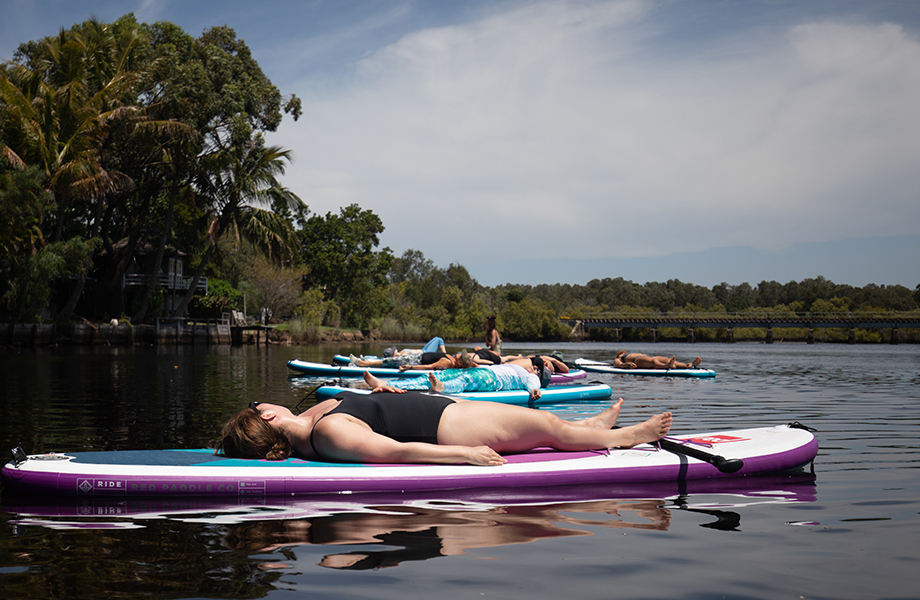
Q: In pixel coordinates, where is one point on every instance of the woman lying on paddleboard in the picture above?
(635, 360)
(420, 427)
(487, 378)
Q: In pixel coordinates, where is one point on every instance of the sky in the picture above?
(563, 141)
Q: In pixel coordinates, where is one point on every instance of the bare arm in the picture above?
(344, 438)
(558, 365)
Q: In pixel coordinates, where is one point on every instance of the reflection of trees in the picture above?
(423, 533)
(163, 560)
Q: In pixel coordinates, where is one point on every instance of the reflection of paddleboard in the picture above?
(694, 494)
(549, 395)
(320, 370)
(601, 367)
(187, 473)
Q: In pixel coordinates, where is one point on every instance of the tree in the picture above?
(339, 253)
(278, 289)
(240, 178)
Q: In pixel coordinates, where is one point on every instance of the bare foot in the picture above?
(672, 363)
(606, 419)
(696, 362)
(371, 381)
(435, 385)
(652, 430)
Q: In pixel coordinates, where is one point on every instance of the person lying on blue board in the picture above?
(489, 378)
(635, 360)
(421, 427)
(540, 364)
(393, 358)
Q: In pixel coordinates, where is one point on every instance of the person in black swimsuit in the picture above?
(420, 427)
(484, 356)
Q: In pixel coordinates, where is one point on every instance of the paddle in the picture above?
(724, 465)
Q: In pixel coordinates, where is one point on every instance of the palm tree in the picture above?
(63, 108)
(234, 181)
(72, 103)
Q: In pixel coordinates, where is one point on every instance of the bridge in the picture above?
(730, 321)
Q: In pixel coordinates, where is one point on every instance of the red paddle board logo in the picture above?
(716, 439)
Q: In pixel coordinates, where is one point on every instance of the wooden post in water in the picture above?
(769, 339)
(811, 336)
(690, 335)
(852, 337)
(654, 333)
(730, 335)
(895, 337)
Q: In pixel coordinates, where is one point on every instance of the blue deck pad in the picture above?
(189, 458)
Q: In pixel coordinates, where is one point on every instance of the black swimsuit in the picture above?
(488, 355)
(429, 358)
(409, 417)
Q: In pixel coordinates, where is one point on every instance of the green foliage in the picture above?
(531, 320)
(209, 306)
(277, 289)
(28, 286)
(28, 289)
(339, 254)
(23, 201)
(219, 288)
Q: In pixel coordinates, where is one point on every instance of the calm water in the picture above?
(851, 530)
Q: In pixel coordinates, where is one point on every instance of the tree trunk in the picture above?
(183, 306)
(63, 317)
(161, 251)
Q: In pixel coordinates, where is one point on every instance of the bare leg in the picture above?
(435, 385)
(507, 428)
(604, 420)
(368, 363)
(372, 381)
(696, 362)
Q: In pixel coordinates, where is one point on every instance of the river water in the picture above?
(850, 529)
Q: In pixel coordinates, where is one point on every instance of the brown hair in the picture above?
(246, 435)
(466, 360)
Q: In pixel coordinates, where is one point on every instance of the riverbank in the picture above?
(220, 332)
(171, 332)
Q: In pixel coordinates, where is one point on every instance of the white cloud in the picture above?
(568, 125)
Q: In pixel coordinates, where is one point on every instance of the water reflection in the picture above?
(421, 533)
(391, 529)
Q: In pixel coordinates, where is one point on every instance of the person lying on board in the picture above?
(484, 356)
(541, 363)
(393, 358)
(420, 427)
(438, 361)
(490, 378)
(635, 360)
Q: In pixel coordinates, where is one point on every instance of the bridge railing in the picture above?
(759, 316)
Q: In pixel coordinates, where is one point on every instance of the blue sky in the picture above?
(542, 142)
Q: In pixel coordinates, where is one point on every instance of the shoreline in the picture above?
(204, 332)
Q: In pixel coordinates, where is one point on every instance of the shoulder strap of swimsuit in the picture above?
(315, 423)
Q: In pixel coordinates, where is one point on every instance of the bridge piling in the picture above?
(895, 336)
